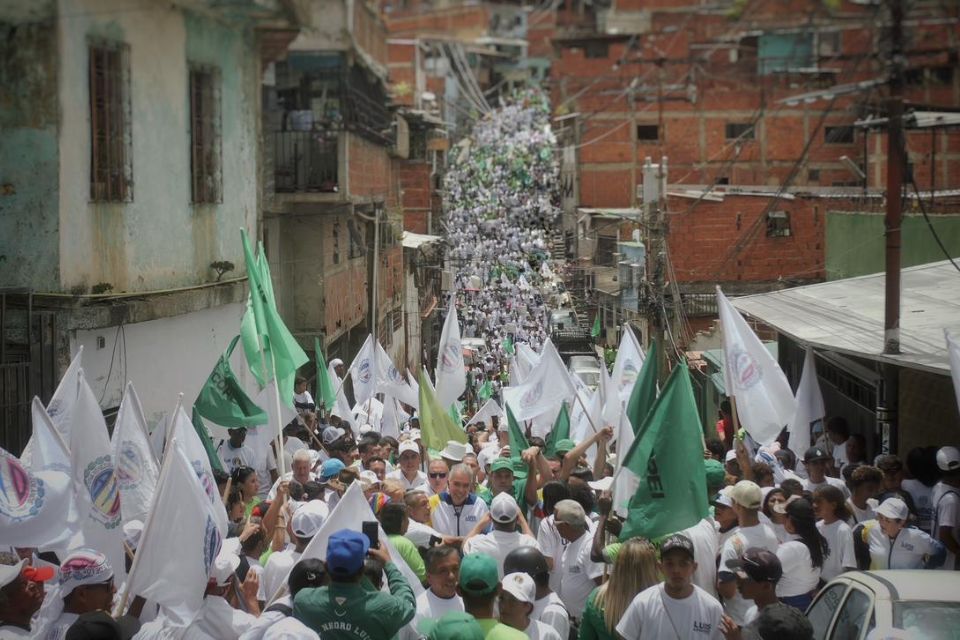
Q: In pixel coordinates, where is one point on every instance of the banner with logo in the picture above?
(137, 469)
(363, 370)
(451, 375)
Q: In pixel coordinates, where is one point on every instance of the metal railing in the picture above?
(305, 161)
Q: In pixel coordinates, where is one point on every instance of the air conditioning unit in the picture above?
(401, 145)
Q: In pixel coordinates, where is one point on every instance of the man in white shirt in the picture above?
(299, 472)
(758, 573)
(443, 570)
(306, 522)
(946, 505)
(21, 594)
(517, 595)
(409, 473)
(458, 509)
(676, 609)
(578, 573)
(838, 432)
(504, 512)
(302, 399)
(746, 497)
(234, 453)
(816, 460)
(547, 605)
(437, 471)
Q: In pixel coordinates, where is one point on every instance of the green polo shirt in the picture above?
(347, 611)
(494, 630)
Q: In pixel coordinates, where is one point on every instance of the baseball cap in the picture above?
(224, 566)
(676, 542)
(893, 508)
(570, 512)
(99, 625)
(948, 458)
(454, 625)
(504, 508)
(346, 551)
(308, 519)
(500, 464)
(757, 564)
(715, 472)
(564, 445)
(731, 456)
(408, 445)
(10, 572)
(369, 478)
(479, 575)
(722, 498)
(83, 567)
(747, 494)
(331, 468)
(815, 453)
(521, 586)
(782, 622)
(39, 574)
(332, 434)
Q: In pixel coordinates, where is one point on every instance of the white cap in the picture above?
(9, 572)
(332, 434)
(731, 456)
(486, 456)
(365, 428)
(454, 451)
(368, 477)
(408, 445)
(308, 519)
(504, 508)
(132, 531)
(521, 586)
(948, 458)
(603, 484)
(893, 508)
(336, 362)
(224, 566)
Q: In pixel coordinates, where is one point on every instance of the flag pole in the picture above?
(170, 426)
(586, 412)
(281, 463)
(148, 526)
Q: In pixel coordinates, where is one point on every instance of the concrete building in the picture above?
(125, 183)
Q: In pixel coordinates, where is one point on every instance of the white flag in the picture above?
(363, 370)
(392, 382)
(526, 359)
(489, 409)
(61, 404)
(451, 374)
(341, 407)
(580, 426)
(98, 496)
(37, 501)
(547, 387)
(765, 402)
(953, 351)
(809, 406)
(627, 366)
(136, 467)
(625, 482)
(192, 447)
(180, 539)
(612, 404)
(390, 420)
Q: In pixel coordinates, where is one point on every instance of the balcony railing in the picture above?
(305, 161)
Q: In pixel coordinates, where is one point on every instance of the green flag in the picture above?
(485, 391)
(595, 331)
(326, 393)
(253, 327)
(667, 459)
(436, 425)
(201, 430)
(456, 415)
(285, 354)
(508, 346)
(560, 431)
(222, 399)
(518, 441)
(644, 392)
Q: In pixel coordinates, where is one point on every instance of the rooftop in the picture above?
(846, 316)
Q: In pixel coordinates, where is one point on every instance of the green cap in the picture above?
(479, 575)
(716, 475)
(501, 463)
(565, 445)
(455, 625)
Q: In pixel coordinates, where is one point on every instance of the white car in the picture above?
(926, 604)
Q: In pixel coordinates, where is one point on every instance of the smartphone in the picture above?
(372, 531)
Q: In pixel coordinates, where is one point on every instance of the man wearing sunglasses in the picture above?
(437, 472)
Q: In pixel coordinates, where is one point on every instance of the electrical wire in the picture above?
(933, 231)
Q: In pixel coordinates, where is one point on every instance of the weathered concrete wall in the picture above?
(160, 239)
(29, 252)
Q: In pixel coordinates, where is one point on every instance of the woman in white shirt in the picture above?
(888, 543)
(801, 558)
(831, 509)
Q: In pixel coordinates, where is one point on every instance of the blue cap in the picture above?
(346, 551)
(331, 468)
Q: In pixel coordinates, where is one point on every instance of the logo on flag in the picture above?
(129, 463)
(449, 360)
(21, 495)
(394, 375)
(532, 396)
(101, 482)
(745, 371)
(363, 372)
(629, 374)
(209, 487)
(211, 543)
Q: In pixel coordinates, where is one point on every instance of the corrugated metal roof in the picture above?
(412, 240)
(846, 316)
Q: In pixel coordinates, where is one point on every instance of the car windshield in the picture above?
(590, 378)
(928, 620)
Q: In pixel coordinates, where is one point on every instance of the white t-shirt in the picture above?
(231, 458)
(430, 605)
(809, 485)
(540, 631)
(799, 574)
(760, 536)
(706, 546)
(551, 544)
(839, 537)
(276, 571)
(945, 503)
(550, 610)
(858, 515)
(10, 631)
(419, 534)
(577, 573)
(420, 480)
(498, 544)
(840, 454)
(653, 615)
(303, 399)
(923, 501)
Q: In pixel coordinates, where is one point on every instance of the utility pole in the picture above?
(887, 412)
(654, 208)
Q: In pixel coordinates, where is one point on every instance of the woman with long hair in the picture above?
(245, 481)
(771, 498)
(634, 569)
(830, 507)
(801, 558)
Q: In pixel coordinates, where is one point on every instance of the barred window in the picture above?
(111, 166)
(205, 164)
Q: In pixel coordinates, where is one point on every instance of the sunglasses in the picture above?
(438, 475)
